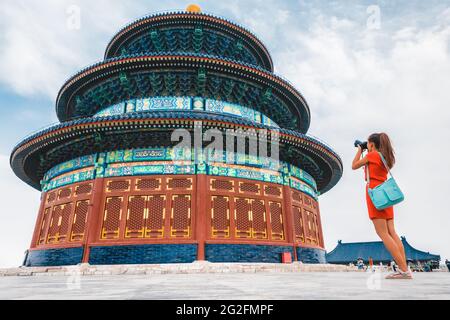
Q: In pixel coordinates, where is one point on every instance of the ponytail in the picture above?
(384, 145)
(387, 150)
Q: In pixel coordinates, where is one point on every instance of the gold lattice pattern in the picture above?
(180, 220)
(156, 216)
(242, 217)
(297, 197)
(220, 216)
(148, 184)
(276, 220)
(51, 197)
(45, 220)
(222, 185)
(248, 187)
(137, 213)
(312, 231)
(308, 202)
(65, 193)
(118, 185)
(179, 183)
(112, 217)
(298, 224)
(258, 218)
(161, 207)
(79, 220)
(59, 223)
(145, 217)
(272, 191)
(84, 189)
(145, 211)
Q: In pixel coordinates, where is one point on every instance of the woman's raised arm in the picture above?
(357, 161)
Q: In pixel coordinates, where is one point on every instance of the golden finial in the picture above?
(195, 8)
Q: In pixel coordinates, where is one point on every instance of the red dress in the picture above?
(378, 174)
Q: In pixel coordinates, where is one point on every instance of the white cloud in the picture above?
(18, 214)
(33, 56)
(38, 51)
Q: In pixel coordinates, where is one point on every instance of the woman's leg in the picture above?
(382, 231)
(394, 235)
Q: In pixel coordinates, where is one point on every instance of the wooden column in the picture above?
(94, 217)
(200, 212)
(290, 229)
(40, 216)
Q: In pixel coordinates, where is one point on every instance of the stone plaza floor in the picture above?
(211, 286)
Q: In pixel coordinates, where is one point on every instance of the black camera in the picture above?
(363, 145)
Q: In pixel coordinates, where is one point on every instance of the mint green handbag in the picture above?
(386, 194)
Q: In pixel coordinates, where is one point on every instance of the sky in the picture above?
(363, 67)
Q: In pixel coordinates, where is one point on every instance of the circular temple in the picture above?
(117, 187)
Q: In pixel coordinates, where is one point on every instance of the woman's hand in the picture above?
(357, 161)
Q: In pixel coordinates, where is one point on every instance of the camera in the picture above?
(363, 145)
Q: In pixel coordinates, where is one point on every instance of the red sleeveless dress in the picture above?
(378, 174)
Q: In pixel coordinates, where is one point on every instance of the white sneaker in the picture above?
(400, 275)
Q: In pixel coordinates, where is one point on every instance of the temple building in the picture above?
(346, 253)
(115, 189)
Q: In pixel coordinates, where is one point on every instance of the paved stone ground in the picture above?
(195, 267)
(260, 286)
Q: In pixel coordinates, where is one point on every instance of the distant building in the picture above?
(346, 253)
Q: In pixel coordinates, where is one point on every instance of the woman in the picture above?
(383, 220)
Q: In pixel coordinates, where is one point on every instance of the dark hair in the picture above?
(384, 145)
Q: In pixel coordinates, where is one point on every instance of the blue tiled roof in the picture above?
(181, 54)
(61, 104)
(350, 252)
(169, 13)
(174, 114)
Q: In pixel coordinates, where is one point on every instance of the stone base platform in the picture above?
(185, 268)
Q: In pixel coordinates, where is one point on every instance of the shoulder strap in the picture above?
(385, 164)
(367, 174)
